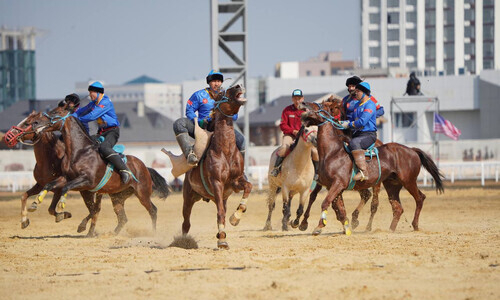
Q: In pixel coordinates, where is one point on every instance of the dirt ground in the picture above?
(455, 255)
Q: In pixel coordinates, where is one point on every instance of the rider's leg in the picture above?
(184, 131)
(106, 150)
(359, 158)
(359, 142)
(240, 142)
(285, 145)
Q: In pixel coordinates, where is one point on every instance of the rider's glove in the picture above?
(345, 124)
(203, 123)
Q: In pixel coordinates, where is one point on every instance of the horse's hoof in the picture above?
(91, 235)
(284, 228)
(368, 228)
(317, 231)
(233, 220)
(33, 207)
(25, 224)
(295, 223)
(81, 228)
(303, 226)
(59, 217)
(268, 227)
(354, 223)
(222, 244)
(67, 215)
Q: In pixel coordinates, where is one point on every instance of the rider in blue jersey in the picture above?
(363, 122)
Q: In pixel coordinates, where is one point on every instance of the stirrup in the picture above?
(363, 177)
(275, 172)
(125, 176)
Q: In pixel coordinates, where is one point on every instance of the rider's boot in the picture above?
(184, 142)
(277, 166)
(120, 165)
(359, 158)
(316, 169)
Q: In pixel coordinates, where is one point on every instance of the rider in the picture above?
(73, 102)
(349, 100)
(290, 126)
(363, 122)
(202, 101)
(101, 109)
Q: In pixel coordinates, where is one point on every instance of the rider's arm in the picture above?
(98, 111)
(284, 126)
(380, 111)
(368, 110)
(192, 107)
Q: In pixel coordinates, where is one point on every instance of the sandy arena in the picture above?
(455, 255)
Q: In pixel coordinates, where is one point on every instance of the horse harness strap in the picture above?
(107, 176)
(205, 185)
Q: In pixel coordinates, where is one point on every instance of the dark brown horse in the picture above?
(365, 194)
(220, 171)
(48, 151)
(83, 168)
(399, 167)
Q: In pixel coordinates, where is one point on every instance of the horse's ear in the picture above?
(61, 103)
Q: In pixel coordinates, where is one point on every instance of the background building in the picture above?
(434, 37)
(17, 65)
(325, 64)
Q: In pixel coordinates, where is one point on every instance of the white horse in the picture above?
(296, 177)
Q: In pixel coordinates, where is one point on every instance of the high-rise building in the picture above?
(435, 37)
(17, 65)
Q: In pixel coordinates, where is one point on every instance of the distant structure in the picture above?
(17, 65)
(432, 37)
(325, 64)
(146, 91)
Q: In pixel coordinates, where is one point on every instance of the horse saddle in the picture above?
(369, 152)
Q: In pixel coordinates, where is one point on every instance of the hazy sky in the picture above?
(119, 40)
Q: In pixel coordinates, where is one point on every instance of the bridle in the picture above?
(328, 117)
(224, 99)
(11, 138)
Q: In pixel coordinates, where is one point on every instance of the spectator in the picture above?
(413, 85)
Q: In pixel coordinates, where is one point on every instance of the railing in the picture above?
(481, 170)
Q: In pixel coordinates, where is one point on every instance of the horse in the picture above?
(83, 170)
(296, 177)
(48, 151)
(220, 170)
(364, 194)
(399, 167)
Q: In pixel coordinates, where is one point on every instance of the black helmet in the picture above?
(73, 98)
(354, 80)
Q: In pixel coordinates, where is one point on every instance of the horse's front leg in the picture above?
(300, 210)
(312, 197)
(333, 192)
(241, 184)
(220, 202)
(76, 183)
(52, 208)
(25, 222)
(59, 182)
(339, 208)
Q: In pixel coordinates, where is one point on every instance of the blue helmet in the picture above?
(215, 75)
(96, 87)
(364, 87)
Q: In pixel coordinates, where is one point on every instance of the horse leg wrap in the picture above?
(42, 195)
(61, 204)
(323, 217)
(347, 228)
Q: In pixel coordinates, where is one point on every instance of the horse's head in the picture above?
(24, 131)
(320, 113)
(228, 102)
(310, 135)
(50, 121)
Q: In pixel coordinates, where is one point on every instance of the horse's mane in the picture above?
(296, 141)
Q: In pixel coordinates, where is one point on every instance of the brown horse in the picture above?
(399, 167)
(83, 168)
(365, 194)
(48, 151)
(220, 171)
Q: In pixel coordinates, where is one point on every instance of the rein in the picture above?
(223, 100)
(56, 119)
(328, 118)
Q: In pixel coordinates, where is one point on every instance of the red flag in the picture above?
(441, 125)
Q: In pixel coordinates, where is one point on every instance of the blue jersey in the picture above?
(364, 116)
(101, 111)
(202, 103)
(349, 103)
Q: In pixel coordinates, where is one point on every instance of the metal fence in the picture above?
(480, 171)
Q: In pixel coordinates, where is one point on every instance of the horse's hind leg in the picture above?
(373, 206)
(95, 213)
(52, 208)
(365, 195)
(312, 197)
(419, 201)
(88, 199)
(300, 209)
(393, 188)
(118, 201)
(144, 194)
(25, 222)
(271, 203)
(190, 197)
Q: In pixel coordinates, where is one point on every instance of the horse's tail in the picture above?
(160, 185)
(431, 167)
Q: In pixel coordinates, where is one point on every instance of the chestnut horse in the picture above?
(220, 171)
(296, 177)
(399, 167)
(83, 168)
(48, 151)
